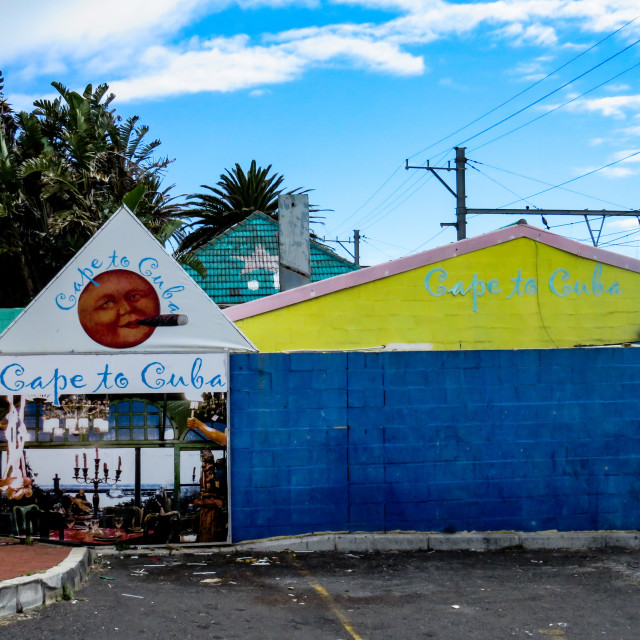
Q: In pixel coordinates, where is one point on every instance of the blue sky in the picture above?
(336, 95)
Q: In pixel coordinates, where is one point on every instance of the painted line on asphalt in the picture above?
(344, 620)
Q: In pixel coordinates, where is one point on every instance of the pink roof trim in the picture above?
(394, 267)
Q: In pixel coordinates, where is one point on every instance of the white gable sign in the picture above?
(51, 376)
(122, 293)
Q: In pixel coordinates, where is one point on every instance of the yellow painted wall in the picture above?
(528, 295)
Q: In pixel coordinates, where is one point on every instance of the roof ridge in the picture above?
(275, 223)
(430, 256)
(233, 227)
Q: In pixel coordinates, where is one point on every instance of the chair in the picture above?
(25, 519)
(131, 517)
(162, 527)
(48, 520)
(6, 523)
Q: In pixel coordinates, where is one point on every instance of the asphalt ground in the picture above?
(350, 596)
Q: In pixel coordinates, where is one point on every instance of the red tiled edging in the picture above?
(40, 574)
(21, 559)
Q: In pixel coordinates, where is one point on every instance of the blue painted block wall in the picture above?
(435, 441)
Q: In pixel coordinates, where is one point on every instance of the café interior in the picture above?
(123, 470)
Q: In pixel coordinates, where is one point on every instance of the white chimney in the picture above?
(293, 241)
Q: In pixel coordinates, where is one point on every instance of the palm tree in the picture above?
(236, 195)
(20, 222)
(94, 161)
(65, 168)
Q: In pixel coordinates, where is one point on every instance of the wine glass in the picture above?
(118, 520)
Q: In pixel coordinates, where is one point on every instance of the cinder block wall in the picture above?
(435, 441)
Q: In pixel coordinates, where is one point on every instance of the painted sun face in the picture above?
(110, 309)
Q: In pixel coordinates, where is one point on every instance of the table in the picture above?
(84, 536)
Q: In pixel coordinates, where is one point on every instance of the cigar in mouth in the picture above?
(165, 320)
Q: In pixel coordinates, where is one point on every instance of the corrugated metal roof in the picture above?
(242, 263)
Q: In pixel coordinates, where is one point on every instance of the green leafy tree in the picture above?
(65, 167)
(236, 195)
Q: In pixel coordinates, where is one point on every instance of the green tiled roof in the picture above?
(7, 316)
(242, 263)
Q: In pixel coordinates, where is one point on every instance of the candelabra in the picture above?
(97, 479)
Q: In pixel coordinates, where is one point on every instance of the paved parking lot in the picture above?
(359, 596)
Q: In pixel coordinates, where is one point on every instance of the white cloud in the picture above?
(278, 4)
(614, 106)
(532, 70)
(622, 223)
(139, 44)
(536, 34)
(224, 65)
(231, 64)
(619, 155)
(258, 93)
(24, 102)
(632, 132)
(627, 166)
(449, 82)
(77, 28)
(363, 50)
(617, 88)
(618, 172)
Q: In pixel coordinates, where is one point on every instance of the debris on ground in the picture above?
(203, 573)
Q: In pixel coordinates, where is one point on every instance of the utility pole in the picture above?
(461, 206)
(355, 242)
(459, 194)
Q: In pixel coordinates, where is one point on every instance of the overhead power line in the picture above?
(531, 86)
(500, 184)
(409, 187)
(426, 242)
(392, 201)
(584, 175)
(548, 184)
(462, 210)
(373, 195)
(566, 84)
(564, 104)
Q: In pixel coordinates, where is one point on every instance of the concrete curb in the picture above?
(408, 541)
(26, 592)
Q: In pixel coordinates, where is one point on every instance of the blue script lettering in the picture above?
(521, 286)
(12, 379)
(68, 301)
(595, 287)
(119, 380)
(477, 287)
(116, 261)
(155, 376)
(148, 267)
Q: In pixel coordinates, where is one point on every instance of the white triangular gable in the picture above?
(51, 323)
